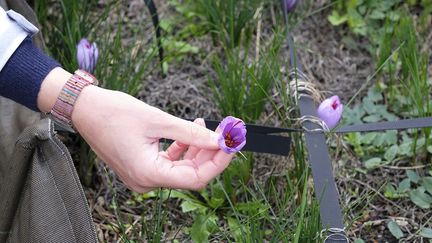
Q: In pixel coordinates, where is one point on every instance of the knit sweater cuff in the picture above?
(22, 76)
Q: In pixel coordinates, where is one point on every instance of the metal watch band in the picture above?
(61, 113)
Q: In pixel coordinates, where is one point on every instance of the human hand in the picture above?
(124, 132)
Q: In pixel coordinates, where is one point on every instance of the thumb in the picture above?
(189, 133)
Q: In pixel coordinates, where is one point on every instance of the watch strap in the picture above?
(61, 113)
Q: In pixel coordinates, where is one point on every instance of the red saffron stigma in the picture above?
(334, 105)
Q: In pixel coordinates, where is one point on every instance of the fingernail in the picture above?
(200, 121)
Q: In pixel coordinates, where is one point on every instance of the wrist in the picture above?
(60, 93)
(51, 88)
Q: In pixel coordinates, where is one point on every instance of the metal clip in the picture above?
(315, 120)
(335, 234)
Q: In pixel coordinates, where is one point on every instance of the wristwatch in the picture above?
(61, 113)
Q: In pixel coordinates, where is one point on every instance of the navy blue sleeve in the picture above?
(22, 76)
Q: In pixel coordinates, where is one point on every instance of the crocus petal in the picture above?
(84, 42)
(237, 133)
(289, 5)
(241, 145)
(94, 55)
(95, 51)
(227, 120)
(233, 130)
(80, 55)
(87, 60)
(330, 111)
(87, 55)
(222, 145)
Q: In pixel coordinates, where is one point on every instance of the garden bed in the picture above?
(337, 62)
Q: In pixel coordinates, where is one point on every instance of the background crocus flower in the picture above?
(330, 111)
(233, 134)
(289, 5)
(87, 55)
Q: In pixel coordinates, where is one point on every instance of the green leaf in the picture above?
(377, 15)
(372, 118)
(426, 182)
(429, 149)
(357, 240)
(395, 230)
(188, 206)
(369, 106)
(374, 94)
(361, 30)
(179, 194)
(383, 5)
(391, 138)
(420, 198)
(391, 153)
(404, 185)
(167, 193)
(426, 232)
(420, 143)
(165, 67)
(405, 149)
(356, 21)
(237, 230)
(393, 16)
(203, 226)
(217, 195)
(390, 191)
(373, 163)
(362, 10)
(216, 202)
(166, 25)
(368, 138)
(379, 141)
(389, 117)
(336, 19)
(254, 208)
(413, 176)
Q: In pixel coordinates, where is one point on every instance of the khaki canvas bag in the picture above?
(41, 198)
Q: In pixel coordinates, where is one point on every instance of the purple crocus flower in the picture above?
(233, 134)
(87, 55)
(289, 5)
(330, 111)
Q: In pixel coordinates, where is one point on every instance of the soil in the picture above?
(335, 67)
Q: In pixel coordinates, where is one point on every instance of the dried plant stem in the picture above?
(258, 37)
(244, 157)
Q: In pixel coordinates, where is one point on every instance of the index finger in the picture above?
(186, 132)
